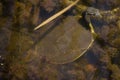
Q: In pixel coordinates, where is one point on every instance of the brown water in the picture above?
(28, 54)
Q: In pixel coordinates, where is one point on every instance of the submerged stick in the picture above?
(56, 15)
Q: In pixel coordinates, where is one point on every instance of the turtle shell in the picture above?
(65, 43)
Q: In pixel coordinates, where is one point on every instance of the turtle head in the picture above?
(93, 11)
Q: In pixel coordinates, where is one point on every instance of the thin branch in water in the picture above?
(56, 15)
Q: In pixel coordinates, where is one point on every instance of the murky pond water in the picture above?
(26, 54)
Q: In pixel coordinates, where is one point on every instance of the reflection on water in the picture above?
(27, 55)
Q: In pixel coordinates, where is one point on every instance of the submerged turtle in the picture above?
(68, 41)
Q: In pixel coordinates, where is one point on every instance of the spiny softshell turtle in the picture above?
(65, 43)
(68, 41)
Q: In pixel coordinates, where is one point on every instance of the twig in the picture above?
(56, 15)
